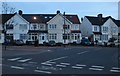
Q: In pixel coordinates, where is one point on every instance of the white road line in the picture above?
(96, 69)
(115, 70)
(75, 67)
(60, 65)
(32, 62)
(65, 63)
(0, 64)
(25, 60)
(16, 67)
(14, 59)
(43, 71)
(46, 64)
(80, 65)
(82, 52)
(49, 50)
(51, 62)
(97, 66)
(57, 58)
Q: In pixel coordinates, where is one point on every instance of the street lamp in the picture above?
(64, 35)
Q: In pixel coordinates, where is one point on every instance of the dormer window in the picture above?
(50, 17)
(45, 16)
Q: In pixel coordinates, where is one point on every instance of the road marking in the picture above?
(60, 65)
(49, 50)
(43, 71)
(14, 59)
(32, 62)
(96, 69)
(80, 65)
(46, 64)
(97, 66)
(51, 62)
(75, 67)
(115, 70)
(82, 52)
(25, 60)
(16, 67)
(57, 58)
(65, 63)
(0, 64)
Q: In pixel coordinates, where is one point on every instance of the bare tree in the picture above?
(6, 9)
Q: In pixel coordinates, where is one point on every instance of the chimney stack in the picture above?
(100, 15)
(58, 11)
(20, 12)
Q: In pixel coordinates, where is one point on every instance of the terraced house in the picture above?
(100, 28)
(61, 28)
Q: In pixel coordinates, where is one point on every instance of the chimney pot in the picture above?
(20, 12)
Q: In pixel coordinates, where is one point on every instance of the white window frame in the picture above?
(22, 26)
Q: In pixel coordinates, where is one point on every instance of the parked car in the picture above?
(45, 43)
(100, 43)
(59, 44)
(85, 41)
(51, 43)
(18, 42)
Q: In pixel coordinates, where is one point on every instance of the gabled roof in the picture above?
(97, 20)
(41, 18)
(6, 17)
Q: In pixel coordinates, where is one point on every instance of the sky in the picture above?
(80, 8)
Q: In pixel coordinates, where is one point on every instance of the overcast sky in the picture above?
(80, 8)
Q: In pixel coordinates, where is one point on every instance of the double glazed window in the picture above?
(105, 29)
(23, 36)
(52, 36)
(23, 26)
(104, 37)
(95, 28)
(52, 26)
(66, 26)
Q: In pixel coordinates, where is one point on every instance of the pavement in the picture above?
(60, 60)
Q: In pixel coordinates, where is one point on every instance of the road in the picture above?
(62, 60)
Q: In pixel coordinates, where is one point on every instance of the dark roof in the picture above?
(97, 20)
(117, 22)
(73, 18)
(75, 31)
(41, 18)
(37, 31)
(6, 17)
(97, 33)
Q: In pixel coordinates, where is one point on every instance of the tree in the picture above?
(6, 9)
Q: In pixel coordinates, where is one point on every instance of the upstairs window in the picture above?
(52, 26)
(105, 29)
(66, 26)
(9, 26)
(34, 27)
(95, 28)
(22, 26)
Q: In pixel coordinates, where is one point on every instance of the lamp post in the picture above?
(64, 36)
